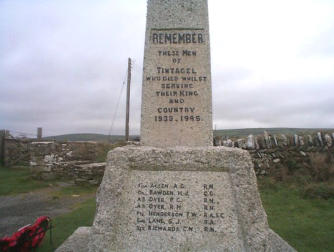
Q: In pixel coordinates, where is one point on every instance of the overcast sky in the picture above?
(63, 64)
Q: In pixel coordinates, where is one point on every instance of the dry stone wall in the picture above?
(72, 160)
(81, 161)
(304, 156)
(275, 155)
(16, 152)
(269, 141)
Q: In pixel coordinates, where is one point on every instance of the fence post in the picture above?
(2, 147)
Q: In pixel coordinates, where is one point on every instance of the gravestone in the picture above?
(177, 192)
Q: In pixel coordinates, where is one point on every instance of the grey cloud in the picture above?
(63, 63)
(323, 45)
(283, 104)
(63, 66)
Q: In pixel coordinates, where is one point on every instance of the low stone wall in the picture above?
(52, 152)
(16, 152)
(81, 172)
(82, 162)
(269, 141)
(278, 156)
(70, 160)
(302, 156)
(312, 164)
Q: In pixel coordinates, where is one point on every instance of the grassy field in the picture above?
(65, 225)
(306, 223)
(18, 180)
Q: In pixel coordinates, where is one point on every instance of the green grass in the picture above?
(65, 225)
(306, 224)
(18, 180)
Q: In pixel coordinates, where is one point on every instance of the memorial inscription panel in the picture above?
(176, 82)
(176, 102)
(171, 208)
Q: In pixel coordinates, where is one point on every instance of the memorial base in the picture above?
(178, 199)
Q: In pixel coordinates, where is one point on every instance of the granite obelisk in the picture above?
(176, 92)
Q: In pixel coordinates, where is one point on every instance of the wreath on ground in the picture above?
(27, 238)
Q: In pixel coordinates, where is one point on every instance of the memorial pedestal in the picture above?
(178, 199)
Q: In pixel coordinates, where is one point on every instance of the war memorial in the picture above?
(176, 192)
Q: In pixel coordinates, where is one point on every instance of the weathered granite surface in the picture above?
(176, 91)
(215, 205)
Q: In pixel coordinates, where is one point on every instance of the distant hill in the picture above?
(225, 132)
(259, 131)
(88, 137)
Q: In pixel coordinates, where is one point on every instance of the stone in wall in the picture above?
(284, 140)
(256, 143)
(43, 155)
(296, 139)
(230, 143)
(241, 143)
(301, 140)
(316, 141)
(275, 140)
(320, 139)
(91, 173)
(218, 141)
(328, 140)
(261, 141)
(271, 144)
(267, 139)
(310, 140)
(291, 140)
(251, 142)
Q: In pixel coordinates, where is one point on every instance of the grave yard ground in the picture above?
(302, 220)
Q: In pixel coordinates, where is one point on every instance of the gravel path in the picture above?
(23, 209)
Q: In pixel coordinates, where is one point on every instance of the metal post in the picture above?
(128, 102)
